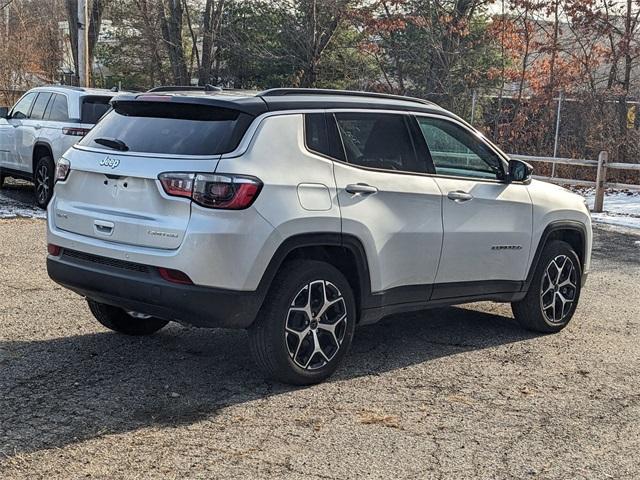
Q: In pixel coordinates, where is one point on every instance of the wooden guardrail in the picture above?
(601, 165)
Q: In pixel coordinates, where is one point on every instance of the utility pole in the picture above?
(474, 99)
(555, 142)
(83, 44)
(7, 7)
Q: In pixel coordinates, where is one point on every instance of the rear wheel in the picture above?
(306, 324)
(43, 179)
(554, 291)
(118, 320)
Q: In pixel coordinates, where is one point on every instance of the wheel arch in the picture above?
(572, 232)
(40, 149)
(345, 252)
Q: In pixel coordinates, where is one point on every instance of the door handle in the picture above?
(363, 188)
(459, 196)
(103, 228)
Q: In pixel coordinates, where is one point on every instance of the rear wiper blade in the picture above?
(112, 143)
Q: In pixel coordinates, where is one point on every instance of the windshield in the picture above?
(169, 128)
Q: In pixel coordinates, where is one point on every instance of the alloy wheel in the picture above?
(559, 289)
(42, 183)
(316, 324)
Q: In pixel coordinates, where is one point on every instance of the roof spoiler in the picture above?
(186, 88)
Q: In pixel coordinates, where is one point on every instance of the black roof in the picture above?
(256, 103)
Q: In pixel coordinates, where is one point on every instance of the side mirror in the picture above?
(519, 171)
(4, 112)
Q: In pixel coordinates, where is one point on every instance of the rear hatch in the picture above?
(112, 191)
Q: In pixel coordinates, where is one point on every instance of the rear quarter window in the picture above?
(170, 128)
(93, 108)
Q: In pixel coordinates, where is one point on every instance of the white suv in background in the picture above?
(298, 214)
(41, 126)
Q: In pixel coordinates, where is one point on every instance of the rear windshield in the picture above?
(93, 108)
(169, 128)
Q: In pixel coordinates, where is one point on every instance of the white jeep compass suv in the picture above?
(41, 126)
(300, 214)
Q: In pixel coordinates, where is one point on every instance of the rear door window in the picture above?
(21, 109)
(380, 141)
(169, 128)
(58, 110)
(39, 106)
(93, 108)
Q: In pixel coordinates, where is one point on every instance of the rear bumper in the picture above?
(143, 290)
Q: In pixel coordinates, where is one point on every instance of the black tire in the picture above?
(118, 320)
(548, 312)
(43, 178)
(2, 177)
(282, 354)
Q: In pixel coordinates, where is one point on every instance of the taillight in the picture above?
(62, 169)
(177, 184)
(232, 192)
(221, 191)
(75, 131)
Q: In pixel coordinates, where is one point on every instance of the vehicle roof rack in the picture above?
(279, 92)
(68, 87)
(186, 88)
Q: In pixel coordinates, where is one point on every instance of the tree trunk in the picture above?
(171, 20)
(625, 84)
(210, 31)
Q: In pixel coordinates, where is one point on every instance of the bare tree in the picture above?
(171, 22)
(151, 36)
(211, 26)
(309, 32)
(96, 10)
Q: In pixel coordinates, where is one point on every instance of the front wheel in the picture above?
(306, 324)
(43, 177)
(118, 320)
(554, 291)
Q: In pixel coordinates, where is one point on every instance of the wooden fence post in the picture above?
(601, 179)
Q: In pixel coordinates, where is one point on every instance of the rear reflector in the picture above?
(53, 249)
(220, 191)
(174, 276)
(75, 132)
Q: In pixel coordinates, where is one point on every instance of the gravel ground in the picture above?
(449, 393)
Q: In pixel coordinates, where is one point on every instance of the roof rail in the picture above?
(68, 87)
(186, 88)
(279, 92)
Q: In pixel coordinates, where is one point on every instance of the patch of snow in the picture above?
(620, 221)
(621, 207)
(10, 208)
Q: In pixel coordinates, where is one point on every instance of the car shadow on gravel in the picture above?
(66, 390)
